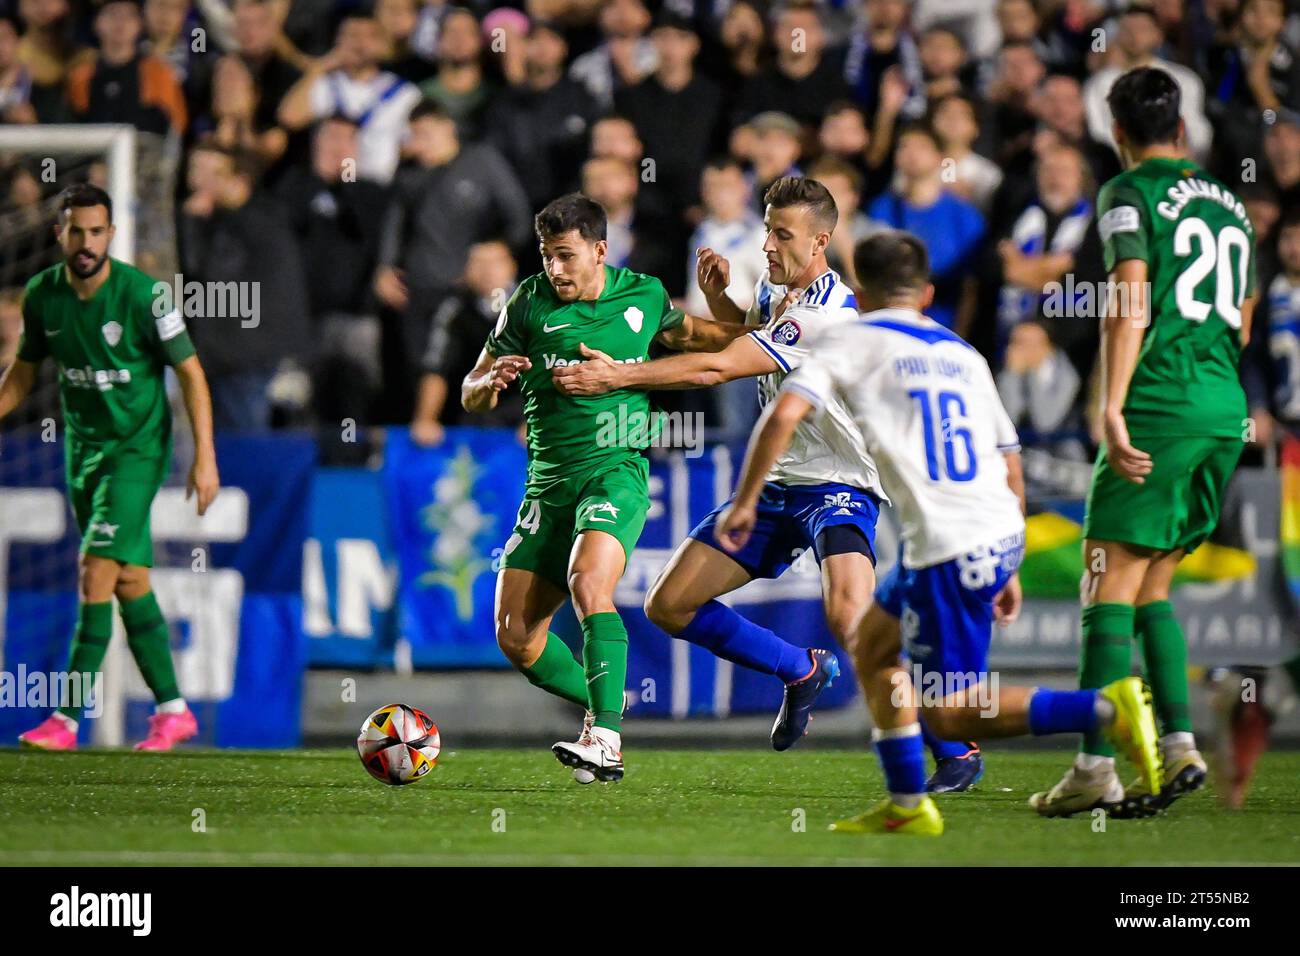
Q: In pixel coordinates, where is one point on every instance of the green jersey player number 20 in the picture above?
(1175, 423)
(586, 496)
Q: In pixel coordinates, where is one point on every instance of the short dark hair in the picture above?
(343, 118)
(573, 211)
(723, 162)
(802, 191)
(921, 128)
(939, 102)
(891, 263)
(84, 196)
(844, 106)
(1147, 10)
(428, 109)
(947, 28)
(831, 165)
(1145, 103)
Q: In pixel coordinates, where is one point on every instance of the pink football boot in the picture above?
(168, 730)
(53, 734)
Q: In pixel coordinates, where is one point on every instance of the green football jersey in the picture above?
(569, 436)
(1199, 247)
(110, 350)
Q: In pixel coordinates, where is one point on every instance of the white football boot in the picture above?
(581, 774)
(599, 753)
(1080, 790)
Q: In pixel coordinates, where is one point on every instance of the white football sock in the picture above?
(68, 722)
(176, 706)
(1104, 710)
(908, 801)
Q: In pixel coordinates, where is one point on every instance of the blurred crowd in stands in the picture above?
(376, 168)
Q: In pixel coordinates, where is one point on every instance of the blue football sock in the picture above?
(902, 757)
(724, 632)
(1062, 712)
(944, 748)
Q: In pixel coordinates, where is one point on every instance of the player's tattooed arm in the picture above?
(599, 374)
(697, 334)
(204, 482)
(1122, 328)
(489, 378)
(15, 384)
(771, 436)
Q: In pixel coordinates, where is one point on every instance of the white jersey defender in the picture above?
(830, 446)
(930, 415)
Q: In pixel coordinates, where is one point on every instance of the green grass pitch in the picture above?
(507, 807)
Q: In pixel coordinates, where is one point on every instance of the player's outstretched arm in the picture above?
(600, 373)
(1122, 329)
(491, 375)
(204, 482)
(15, 384)
(771, 436)
(697, 334)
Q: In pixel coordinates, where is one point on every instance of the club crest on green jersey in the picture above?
(112, 333)
(634, 317)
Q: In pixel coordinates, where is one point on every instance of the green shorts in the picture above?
(111, 498)
(614, 501)
(1178, 504)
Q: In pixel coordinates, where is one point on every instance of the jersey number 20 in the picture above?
(948, 434)
(1213, 254)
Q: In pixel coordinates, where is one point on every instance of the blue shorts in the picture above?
(794, 518)
(945, 611)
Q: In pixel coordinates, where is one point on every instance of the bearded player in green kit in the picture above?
(1175, 424)
(95, 317)
(586, 496)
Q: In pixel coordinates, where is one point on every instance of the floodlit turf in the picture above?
(520, 807)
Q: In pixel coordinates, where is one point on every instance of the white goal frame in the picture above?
(116, 142)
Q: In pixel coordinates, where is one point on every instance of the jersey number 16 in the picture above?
(939, 411)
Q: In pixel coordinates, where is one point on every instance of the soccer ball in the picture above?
(398, 744)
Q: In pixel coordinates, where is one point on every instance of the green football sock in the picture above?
(89, 645)
(149, 638)
(558, 672)
(1164, 651)
(1107, 656)
(604, 654)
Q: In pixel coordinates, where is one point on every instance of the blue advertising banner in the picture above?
(452, 509)
(229, 585)
(298, 565)
(349, 570)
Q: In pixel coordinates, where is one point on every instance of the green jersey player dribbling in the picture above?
(1175, 425)
(586, 497)
(96, 318)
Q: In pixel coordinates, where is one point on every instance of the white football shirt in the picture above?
(827, 447)
(933, 423)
